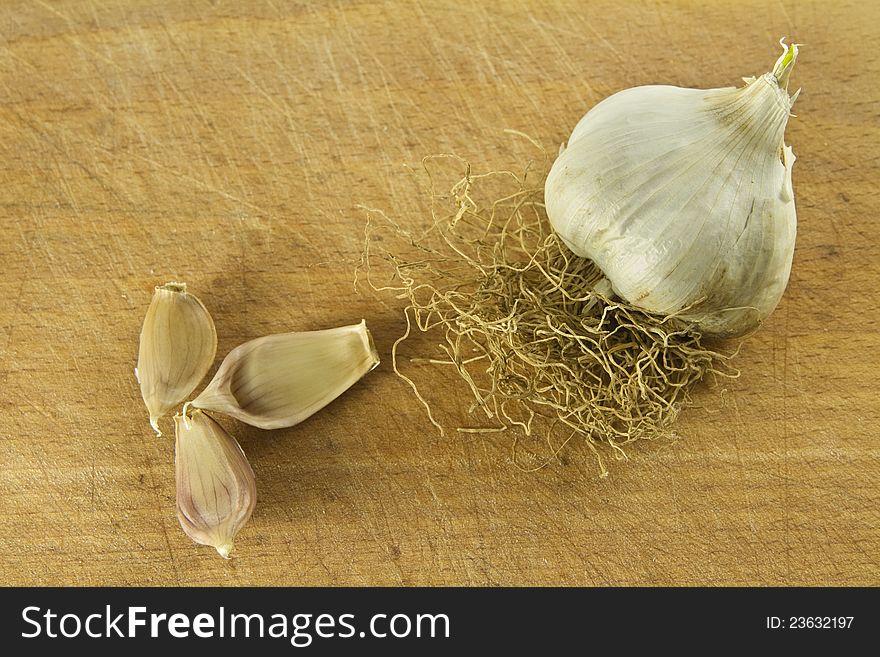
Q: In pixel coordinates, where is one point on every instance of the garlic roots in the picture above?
(683, 198)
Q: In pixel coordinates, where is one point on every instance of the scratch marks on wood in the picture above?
(176, 174)
(160, 520)
(785, 13)
(366, 520)
(74, 39)
(6, 366)
(743, 470)
(628, 61)
(274, 8)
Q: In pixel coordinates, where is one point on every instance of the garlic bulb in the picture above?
(683, 198)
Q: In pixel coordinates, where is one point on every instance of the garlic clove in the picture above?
(178, 343)
(683, 198)
(280, 380)
(216, 490)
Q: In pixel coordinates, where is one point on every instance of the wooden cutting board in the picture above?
(230, 144)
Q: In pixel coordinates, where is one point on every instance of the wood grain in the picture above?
(229, 145)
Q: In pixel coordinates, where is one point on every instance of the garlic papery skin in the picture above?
(683, 198)
(178, 343)
(279, 380)
(216, 489)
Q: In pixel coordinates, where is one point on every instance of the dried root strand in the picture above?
(533, 330)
